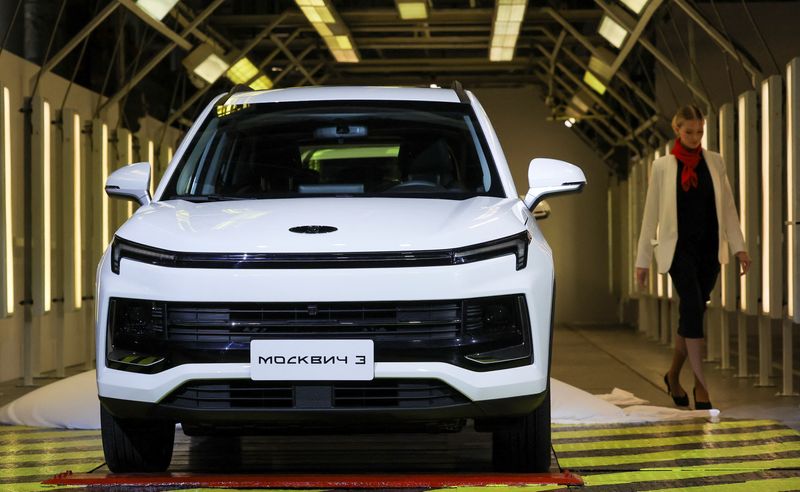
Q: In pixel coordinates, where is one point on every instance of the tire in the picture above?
(526, 448)
(133, 445)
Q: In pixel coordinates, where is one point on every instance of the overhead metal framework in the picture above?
(599, 84)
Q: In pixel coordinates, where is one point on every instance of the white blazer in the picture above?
(660, 222)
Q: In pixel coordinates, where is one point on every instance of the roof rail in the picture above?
(462, 94)
(236, 88)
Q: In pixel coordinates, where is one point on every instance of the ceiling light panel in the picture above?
(261, 84)
(242, 72)
(612, 31)
(205, 63)
(157, 9)
(330, 26)
(508, 17)
(595, 83)
(412, 9)
(635, 5)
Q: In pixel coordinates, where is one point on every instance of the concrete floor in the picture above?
(598, 358)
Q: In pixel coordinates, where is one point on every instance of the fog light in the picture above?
(136, 335)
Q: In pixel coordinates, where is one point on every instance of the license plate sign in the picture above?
(312, 360)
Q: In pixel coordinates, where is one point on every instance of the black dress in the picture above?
(695, 265)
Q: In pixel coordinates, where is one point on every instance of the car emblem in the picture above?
(313, 229)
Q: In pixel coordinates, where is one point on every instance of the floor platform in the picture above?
(728, 455)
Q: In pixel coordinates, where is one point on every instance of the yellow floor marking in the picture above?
(54, 445)
(95, 456)
(47, 470)
(15, 428)
(655, 429)
(766, 485)
(32, 487)
(650, 476)
(48, 434)
(742, 466)
(671, 441)
(678, 454)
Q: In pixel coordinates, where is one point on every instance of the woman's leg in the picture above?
(678, 358)
(695, 348)
(691, 281)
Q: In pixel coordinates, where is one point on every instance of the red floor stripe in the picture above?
(363, 481)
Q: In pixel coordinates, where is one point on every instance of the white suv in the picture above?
(330, 259)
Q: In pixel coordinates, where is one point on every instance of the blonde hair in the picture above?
(688, 112)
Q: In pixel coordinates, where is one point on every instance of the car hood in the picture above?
(362, 224)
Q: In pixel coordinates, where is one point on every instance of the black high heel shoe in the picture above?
(700, 405)
(681, 401)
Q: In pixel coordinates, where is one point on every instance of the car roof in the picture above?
(299, 94)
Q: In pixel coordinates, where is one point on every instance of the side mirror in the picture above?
(542, 210)
(548, 177)
(131, 182)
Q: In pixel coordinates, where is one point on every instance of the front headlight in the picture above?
(121, 248)
(516, 245)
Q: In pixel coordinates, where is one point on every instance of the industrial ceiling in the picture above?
(594, 63)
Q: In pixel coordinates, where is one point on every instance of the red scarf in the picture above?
(690, 158)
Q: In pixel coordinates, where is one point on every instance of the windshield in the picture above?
(342, 148)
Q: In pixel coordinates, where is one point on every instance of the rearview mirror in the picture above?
(547, 177)
(131, 182)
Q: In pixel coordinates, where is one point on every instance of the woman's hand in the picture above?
(641, 277)
(744, 261)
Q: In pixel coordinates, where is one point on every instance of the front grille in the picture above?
(376, 321)
(480, 334)
(255, 395)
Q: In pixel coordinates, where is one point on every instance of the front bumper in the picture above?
(319, 420)
(494, 277)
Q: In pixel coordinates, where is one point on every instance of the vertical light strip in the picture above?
(151, 158)
(46, 191)
(792, 184)
(40, 208)
(771, 195)
(100, 163)
(765, 201)
(105, 237)
(743, 188)
(73, 275)
(728, 153)
(7, 245)
(77, 242)
(128, 160)
(748, 191)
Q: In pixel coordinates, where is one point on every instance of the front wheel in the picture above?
(525, 448)
(136, 445)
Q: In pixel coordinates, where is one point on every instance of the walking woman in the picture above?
(690, 221)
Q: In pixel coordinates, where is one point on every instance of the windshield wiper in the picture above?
(207, 198)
